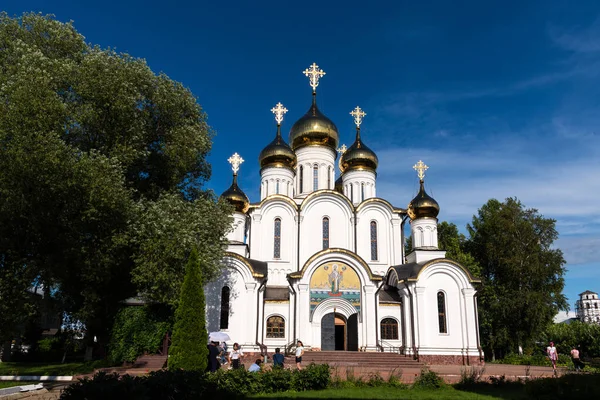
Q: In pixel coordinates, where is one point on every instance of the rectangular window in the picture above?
(316, 177)
(277, 239)
(325, 233)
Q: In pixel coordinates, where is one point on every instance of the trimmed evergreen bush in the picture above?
(188, 349)
(428, 380)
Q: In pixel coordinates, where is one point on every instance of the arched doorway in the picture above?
(339, 333)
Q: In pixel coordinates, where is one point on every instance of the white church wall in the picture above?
(242, 303)
(281, 309)
(392, 311)
(263, 237)
(276, 180)
(385, 245)
(311, 230)
(460, 337)
(308, 157)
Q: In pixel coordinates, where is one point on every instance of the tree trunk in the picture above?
(5, 351)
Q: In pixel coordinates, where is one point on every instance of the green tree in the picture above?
(188, 345)
(454, 243)
(89, 140)
(522, 274)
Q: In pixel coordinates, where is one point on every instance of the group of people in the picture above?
(217, 356)
(552, 354)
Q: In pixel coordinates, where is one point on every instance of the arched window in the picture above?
(587, 305)
(325, 233)
(277, 239)
(277, 187)
(224, 323)
(389, 329)
(362, 192)
(373, 241)
(275, 327)
(266, 188)
(301, 184)
(352, 193)
(441, 300)
(316, 177)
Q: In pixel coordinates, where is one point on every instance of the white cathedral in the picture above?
(322, 260)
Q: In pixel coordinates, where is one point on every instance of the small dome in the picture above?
(277, 154)
(423, 206)
(235, 196)
(314, 129)
(339, 185)
(359, 157)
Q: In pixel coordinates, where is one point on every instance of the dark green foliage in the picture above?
(102, 164)
(428, 380)
(188, 349)
(521, 271)
(569, 386)
(136, 330)
(538, 359)
(586, 337)
(184, 385)
(107, 386)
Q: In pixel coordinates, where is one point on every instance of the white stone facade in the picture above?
(587, 307)
(329, 268)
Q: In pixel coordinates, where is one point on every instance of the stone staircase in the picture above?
(150, 362)
(374, 360)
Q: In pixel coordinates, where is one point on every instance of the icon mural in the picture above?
(334, 279)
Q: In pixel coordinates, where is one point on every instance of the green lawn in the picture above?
(10, 368)
(394, 393)
(8, 384)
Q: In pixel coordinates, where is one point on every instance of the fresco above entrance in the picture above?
(334, 280)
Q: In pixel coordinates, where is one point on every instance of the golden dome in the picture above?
(358, 157)
(236, 197)
(314, 129)
(423, 206)
(277, 154)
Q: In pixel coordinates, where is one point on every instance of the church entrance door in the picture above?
(339, 333)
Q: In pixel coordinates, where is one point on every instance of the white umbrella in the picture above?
(218, 337)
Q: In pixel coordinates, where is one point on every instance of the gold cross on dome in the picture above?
(235, 160)
(314, 73)
(358, 115)
(420, 167)
(342, 149)
(279, 110)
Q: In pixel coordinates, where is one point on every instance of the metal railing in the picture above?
(387, 347)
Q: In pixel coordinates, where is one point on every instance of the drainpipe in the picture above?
(412, 322)
(295, 302)
(477, 327)
(248, 229)
(377, 316)
(402, 238)
(262, 285)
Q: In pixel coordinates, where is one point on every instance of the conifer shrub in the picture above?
(188, 349)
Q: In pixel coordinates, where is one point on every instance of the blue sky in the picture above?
(499, 98)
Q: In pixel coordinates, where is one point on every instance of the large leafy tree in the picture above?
(90, 140)
(522, 273)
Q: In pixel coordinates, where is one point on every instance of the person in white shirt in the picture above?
(299, 353)
(552, 354)
(256, 366)
(235, 356)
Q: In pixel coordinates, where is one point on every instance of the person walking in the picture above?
(552, 354)
(213, 357)
(576, 360)
(299, 354)
(278, 359)
(235, 356)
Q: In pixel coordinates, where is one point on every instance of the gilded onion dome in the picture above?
(423, 205)
(358, 156)
(278, 153)
(236, 197)
(314, 129)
